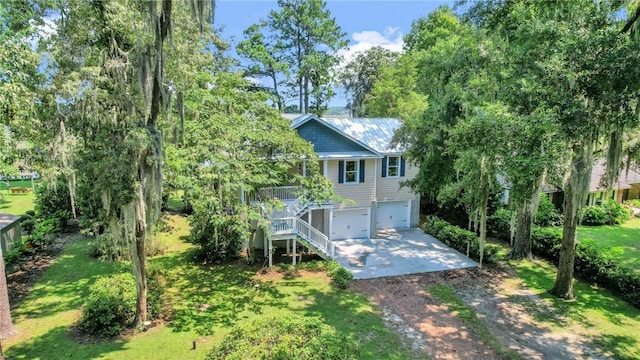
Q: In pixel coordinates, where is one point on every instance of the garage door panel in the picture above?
(392, 215)
(350, 224)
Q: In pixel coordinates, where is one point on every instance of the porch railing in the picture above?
(295, 225)
(282, 193)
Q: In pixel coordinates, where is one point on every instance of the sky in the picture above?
(367, 23)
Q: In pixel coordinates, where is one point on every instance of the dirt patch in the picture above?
(22, 276)
(445, 336)
(507, 308)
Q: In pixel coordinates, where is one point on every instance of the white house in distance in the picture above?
(356, 155)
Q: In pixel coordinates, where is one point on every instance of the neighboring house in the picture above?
(626, 188)
(356, 155)
(9, 231)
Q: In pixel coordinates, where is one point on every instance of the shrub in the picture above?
(634, 203)
(499, 224)
(594, 215)
(282, 338)
(53, 203)
(609, 213)
(460, 239)
(591, 264)
(217, 232)
(111, 305)
(547, 214)
(340, 275)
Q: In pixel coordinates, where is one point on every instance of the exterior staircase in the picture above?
(288, 223)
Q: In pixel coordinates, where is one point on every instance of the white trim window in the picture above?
(393, 166)
(351, 172)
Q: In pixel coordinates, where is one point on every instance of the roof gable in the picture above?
(372, 134)
(327, 139)
(375, 133)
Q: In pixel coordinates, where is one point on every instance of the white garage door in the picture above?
(350, 224)
(393, 214)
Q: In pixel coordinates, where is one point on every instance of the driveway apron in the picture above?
(398, 252)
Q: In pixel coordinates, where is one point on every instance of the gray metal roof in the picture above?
(376, 133)
(373, 133)
(347, 155)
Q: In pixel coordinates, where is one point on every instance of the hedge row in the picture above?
(460, 239)
(591, 264)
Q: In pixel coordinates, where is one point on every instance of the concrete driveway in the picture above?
(398, 252)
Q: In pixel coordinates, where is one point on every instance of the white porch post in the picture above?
(288, 244)
(330, 232)
(270, 252)
(310, 211)
(265, 245)
(294, 251)
(325, 165)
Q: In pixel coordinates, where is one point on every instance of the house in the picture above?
(626, 188)
(9, 231)
(357, 156)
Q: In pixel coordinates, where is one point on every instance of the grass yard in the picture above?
(206, 302)
(621, 242)
(16, 204)
(595, 312)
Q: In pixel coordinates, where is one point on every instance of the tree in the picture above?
(359, 75)
(580, 67)
(110, 72)
(395, 93)
(236, 145)
(262, 53)
(301, 47)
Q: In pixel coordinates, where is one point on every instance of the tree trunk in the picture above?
(526, 213)
(6, 325)
(301, 95)
(576, 189)
(139, 267)
(522, 241)
(306, 95)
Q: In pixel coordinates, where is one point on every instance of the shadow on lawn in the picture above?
(208, 296)
(65, 284)
(350, 314)
(625, 346)
(57, 344)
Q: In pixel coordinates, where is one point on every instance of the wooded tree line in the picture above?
(531, 93)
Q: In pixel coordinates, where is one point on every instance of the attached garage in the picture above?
(350, 224)
(393, 214)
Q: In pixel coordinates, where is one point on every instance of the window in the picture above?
(393, 166)
(351, 172)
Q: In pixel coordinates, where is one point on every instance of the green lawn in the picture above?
(610, 321)
(16, 204)
(621, 242)
(208, 300)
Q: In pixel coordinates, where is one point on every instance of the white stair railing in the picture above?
(295, 225)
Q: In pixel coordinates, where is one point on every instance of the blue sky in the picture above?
(367, 22)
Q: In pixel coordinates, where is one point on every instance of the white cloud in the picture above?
(391, 39)
(46, 29)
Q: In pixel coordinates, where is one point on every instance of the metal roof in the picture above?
(373, 133)
(376, 133)
(347, 155)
